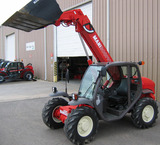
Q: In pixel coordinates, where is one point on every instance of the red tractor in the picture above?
(16, 70)
(108, 91)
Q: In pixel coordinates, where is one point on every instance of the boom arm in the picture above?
(85, 29)
(38, 14)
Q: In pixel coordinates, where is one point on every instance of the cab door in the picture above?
(118, 89)
(13, 70)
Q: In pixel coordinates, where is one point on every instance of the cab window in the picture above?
(20, 66)
(12, 66)
(106, 81)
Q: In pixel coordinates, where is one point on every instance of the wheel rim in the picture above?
(148, 113)
(54, 118)
(29, 76)
(85, 126)
(1, 78)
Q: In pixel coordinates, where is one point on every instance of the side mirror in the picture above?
(103, 72)
(54, 90)
(67, 75)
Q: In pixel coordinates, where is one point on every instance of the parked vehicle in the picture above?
(16, 70)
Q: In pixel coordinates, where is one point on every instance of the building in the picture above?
(130, 29)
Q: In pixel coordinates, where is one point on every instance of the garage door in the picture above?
(10, 48)
(68, 41)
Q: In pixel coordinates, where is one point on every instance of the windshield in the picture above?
(1, 64)
(7, 64)
(88, 82)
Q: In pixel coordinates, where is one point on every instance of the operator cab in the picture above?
(14, 69)
(112, 87)
(118, 88)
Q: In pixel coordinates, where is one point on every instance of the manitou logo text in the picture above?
(97, 41)
(102, 48)
(64, 112)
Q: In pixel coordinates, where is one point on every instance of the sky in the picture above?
(9, 7)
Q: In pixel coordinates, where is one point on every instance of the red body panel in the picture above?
(62, 112)
(3, 73)
(148, 84)
(27, 68)
(2, 69)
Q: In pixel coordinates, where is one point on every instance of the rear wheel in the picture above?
(48, 111)
(145, 113)
(29, 64)
(28, 76)
(2, 79)
(81, 125)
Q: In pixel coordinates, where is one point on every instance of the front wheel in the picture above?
(48, 111)
(145, 113)
(2, 79)
(81, 125)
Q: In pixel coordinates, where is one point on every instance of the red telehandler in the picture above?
(108, 91)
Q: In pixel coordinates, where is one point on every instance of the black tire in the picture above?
(47, 112)
(2, 79)
(28, 76)
(76, 134)
(145, 113)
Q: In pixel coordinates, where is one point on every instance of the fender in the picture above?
(26, 70)
(3, 73)
(148, 84)
(147, 91)
(81, 101)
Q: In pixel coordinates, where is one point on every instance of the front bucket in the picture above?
(35, 15)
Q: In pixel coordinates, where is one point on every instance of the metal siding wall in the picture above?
(158, 50)
(135, 35)
(65, 4)
(100, 19)
(49, 51)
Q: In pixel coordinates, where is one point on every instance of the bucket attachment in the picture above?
(35, 15)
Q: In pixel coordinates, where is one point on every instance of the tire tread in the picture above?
(47, 112)
(137, 113)
(70, 127)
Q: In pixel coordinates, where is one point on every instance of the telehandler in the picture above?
(108, 91)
